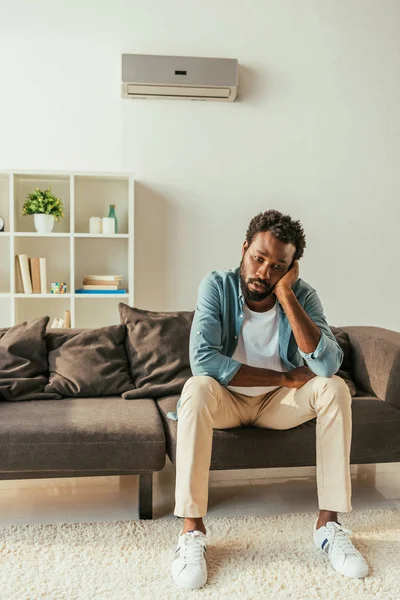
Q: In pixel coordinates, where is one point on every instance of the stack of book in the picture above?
(32, 273)
(59, 323)
(101, 284)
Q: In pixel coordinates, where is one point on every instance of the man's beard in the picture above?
(253, 295)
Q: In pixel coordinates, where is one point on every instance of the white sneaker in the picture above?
(189, 569)
(334, 540)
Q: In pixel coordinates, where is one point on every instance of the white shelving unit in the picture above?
(70, 250)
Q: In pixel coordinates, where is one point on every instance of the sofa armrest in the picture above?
(376, 361)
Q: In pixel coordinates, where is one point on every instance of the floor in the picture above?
(231, 493)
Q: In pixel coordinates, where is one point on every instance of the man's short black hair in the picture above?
(282, 226)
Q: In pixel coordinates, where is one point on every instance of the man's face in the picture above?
(263, 264)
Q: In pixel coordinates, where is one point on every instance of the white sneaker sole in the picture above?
(180, 582)
(187, 586)
(360, 575)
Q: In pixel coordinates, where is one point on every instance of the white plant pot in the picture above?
(43, 223)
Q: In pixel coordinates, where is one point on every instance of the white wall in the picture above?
(316, 133)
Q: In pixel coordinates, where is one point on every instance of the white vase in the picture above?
(43, 223)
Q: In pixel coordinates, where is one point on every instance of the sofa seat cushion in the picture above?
(86, 363)
(376, 438)
(81, 434)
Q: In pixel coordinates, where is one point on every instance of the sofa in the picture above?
(90, 402)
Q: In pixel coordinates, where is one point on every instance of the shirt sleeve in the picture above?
(328, 355)
(205, 348)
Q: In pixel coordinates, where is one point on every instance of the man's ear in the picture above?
(244, 247)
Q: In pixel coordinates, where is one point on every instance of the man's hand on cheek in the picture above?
(286, 282)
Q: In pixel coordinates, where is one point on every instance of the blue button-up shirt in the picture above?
(218, 321)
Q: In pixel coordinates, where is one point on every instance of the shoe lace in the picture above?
(193, 548)
(341, 538)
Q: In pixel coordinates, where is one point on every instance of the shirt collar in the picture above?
(238, 286)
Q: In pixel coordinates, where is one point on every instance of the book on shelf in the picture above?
(34, 268)
(18, 275)
(43, 275)
(98, 281)
(31, 274)
(24, 273)
(58, 323)
(101, 283)
(107, 278)
(100, 291)
(67, 318)
(101, 287)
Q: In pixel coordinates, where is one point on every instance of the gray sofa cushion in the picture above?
(346, 368)
(158, 348)
(92, 362)
(104, 435)
(23, 362)
(376, 352)
(375, 438)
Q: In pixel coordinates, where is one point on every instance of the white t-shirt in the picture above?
(258, 346)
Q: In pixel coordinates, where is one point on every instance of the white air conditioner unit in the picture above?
(152, 76)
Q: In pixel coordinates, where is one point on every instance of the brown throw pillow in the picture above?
(92, 362)
(158, 350)
(23, 362)
(346, 368)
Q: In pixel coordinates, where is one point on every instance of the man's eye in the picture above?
(259, 259)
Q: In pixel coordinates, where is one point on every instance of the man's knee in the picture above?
(201, 383)
(200, 389)
(334, 384)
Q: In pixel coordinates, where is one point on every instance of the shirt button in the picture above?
(241, 316)
(235, 337)
(198, 333)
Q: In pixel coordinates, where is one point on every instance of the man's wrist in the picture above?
(283, 292)
(283, 379)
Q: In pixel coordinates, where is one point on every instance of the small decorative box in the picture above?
(58, 287)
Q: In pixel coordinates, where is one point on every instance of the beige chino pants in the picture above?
(207, 405)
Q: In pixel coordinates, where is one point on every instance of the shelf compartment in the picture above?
(86, 311)
(93, 196)
(56, 252)
(97, 256)
(4, 264)
(27, 308)
(5, 311)
(24, 184)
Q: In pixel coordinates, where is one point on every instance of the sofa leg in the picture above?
(146, 496)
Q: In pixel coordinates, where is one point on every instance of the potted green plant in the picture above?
(45, 207)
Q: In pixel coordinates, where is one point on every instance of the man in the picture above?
(253, 329)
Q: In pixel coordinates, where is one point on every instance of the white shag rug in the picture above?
(248, 557)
